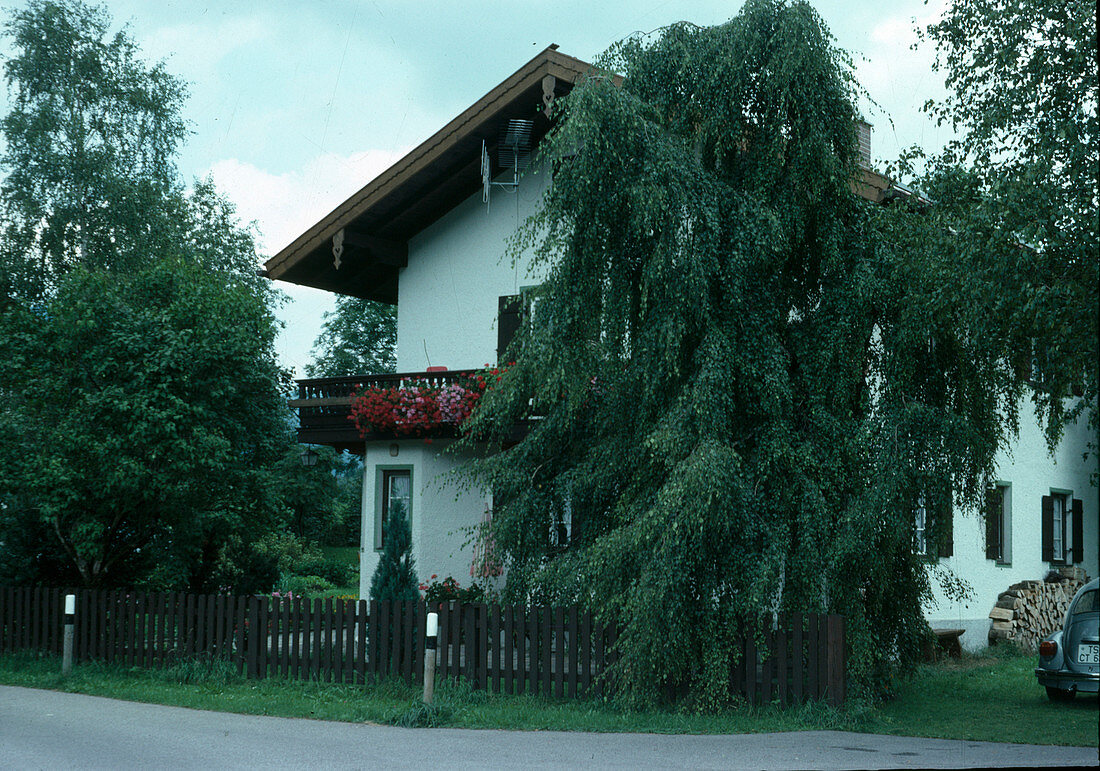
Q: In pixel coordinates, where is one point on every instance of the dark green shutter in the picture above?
(948, 537)
(1047, 528)
(1078, 532)
(509, 317)
(992, 526)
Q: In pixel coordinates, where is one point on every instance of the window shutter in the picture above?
(948, 538)
(509, 310)
(992, 536)
(1078, 532)
(1047, 520)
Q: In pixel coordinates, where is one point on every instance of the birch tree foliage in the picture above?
(1022, 181)
(91, 139)
(740, 377)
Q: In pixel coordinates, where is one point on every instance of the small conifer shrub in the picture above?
(395, 576)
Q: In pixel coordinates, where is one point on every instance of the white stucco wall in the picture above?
(457, 270)
(440, 510)
(1032, 473)
(446, 316)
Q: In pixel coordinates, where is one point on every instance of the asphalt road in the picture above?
(46, 729)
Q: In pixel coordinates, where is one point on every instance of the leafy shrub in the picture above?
(245, 567)
(305, 585)
(333, 571)
(296, 558)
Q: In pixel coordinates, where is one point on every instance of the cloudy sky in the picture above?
(295, 104)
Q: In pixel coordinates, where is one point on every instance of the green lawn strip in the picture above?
(986, 699)
(219, 690)
(990, 699)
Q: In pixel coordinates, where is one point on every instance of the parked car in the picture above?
(1069, 659)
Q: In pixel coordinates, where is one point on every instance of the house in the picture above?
(429, 234)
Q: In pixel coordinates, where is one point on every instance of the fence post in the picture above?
(431, 631)
(836, 675)
(70, 618)
(252, 639)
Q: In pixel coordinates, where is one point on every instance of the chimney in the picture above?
(863, 129)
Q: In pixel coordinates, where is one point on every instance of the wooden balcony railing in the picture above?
(324, 404)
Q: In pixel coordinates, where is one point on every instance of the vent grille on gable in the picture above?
(514, 149)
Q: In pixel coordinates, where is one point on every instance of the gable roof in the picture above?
(424, 185)
(429, 181)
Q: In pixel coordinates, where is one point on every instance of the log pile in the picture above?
(1029, 611)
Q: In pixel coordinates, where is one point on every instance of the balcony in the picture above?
(324, 405)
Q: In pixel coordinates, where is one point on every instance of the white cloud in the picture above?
(285, 205)
(201, 45)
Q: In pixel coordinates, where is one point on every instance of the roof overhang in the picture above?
(378, 221)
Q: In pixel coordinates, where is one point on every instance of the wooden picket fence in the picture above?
(509, 649)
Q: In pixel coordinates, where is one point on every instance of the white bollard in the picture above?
(70, 618)
(431, 634)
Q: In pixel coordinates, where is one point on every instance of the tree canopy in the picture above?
(90, 147)
(358, 337)
(144, 411)
(743, 378)
(151, 405)
(1020, 182)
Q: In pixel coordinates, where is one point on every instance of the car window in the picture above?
(1087, 603)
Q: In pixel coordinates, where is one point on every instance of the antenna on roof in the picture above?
(513, 151)
(486, 176)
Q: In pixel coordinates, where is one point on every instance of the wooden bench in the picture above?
(947, 640)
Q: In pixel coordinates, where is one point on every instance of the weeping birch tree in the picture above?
(741, 379)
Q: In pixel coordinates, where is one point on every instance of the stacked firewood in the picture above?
(1029, 611)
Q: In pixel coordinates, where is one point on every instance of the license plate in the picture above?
(1088, 654)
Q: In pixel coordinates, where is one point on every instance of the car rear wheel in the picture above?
(1057, 694)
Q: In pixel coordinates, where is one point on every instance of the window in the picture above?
(920, 528)
(512, 312)
(395, 489)
(998, 524)
(1089, 602)
(561, 530)
(932, 530)
(1062, 528)
(1058, 527)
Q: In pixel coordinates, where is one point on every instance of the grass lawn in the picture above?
(991, 698)
(986, 698)
(348, 554)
